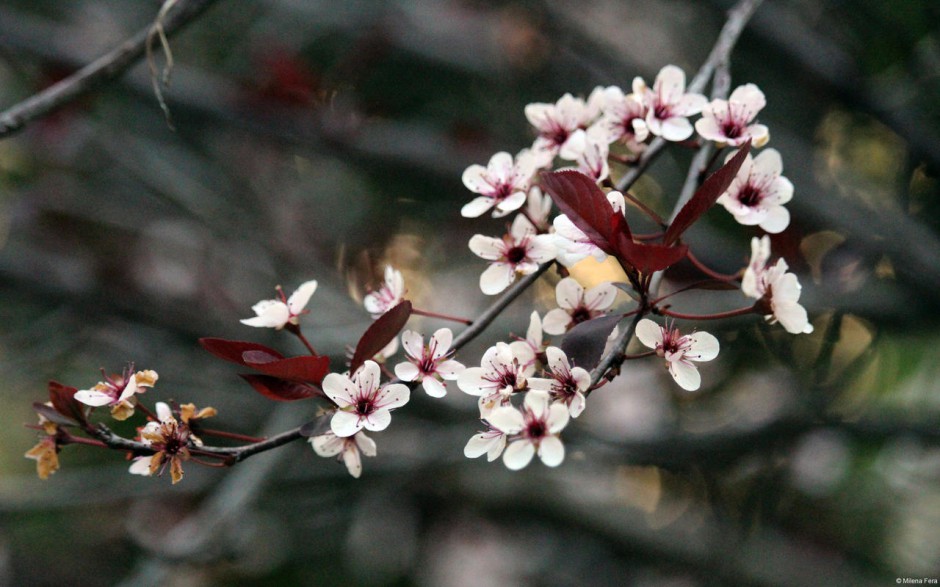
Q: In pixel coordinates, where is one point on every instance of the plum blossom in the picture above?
(567, 384)
(538, 208)
(169, 440)
(592, 161)
(575, 305)
(623, 119)
(280, 312)
(349, 449)
(518, 253)
(570, 241)
(779, 290)
(389, 295)
(118, 391)
(728, 122)
(679, 351)
(758, 192)
(429, 364)
(491, 442)
(561, 125)
(667, 104)
(537, 427)
(362, 401)
(499, 375)
(502, 184)
(527, 350)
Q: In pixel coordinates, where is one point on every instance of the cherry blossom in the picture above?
(560, 125)
(389, 295)
(169, 440)
(758, 192)
(118, 391)
(537, 427)
(283, 311)
(728, 122)
(499, 375)
(502, 184)
(623, 119)
(592, 161)
(577, 305)
(778, 289)
(570, 241)
(362, 401)
(527, 350)
(567, 384)
(491, 442)
(429, 364)
(518, 253)
(679, 351)
(667, 104)
(349, 449)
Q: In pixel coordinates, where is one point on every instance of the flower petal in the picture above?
(704, 347)
(378, 420)
(345, 424)
(433, 387)
(340, 389)
(518, 454)
(440, 342)
(496, 278)
(393, 395)
(506, 419)
(551, 451)
(685, 374)
(407, 371)
(477, 207)
(556, 321)
(413, 343)
(649, 333)
(298, 300)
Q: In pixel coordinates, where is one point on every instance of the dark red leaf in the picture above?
(380, 333)
(649, 257)
(281, 390)
(706, 195)
(585, 342)
(303, 369)
(64, 402)
(53, 415)
(234, 350)
(585, 204)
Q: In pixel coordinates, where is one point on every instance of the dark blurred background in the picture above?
(321, 140)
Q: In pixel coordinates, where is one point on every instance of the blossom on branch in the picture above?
(623, 119)
(528, 349)
(280, 312)
(777, 289)
(389, 295)
(429, 364)
(728, 122)
(499, 375)
(561, 125)
(362, 401)
(679, 351)
(518, 253)
(502, 184)
(577, 305)
(667, 104)
(491, 443)
(758, 192)
(536, 428)
(169, 440)
(349, 449)
(118, 391)
(567, 385)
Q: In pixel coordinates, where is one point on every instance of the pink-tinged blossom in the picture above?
(502, 184)
(429, 364)
(491, 443)
(362, 401)
(349, 449)
(389, 295)
(623, 119)
(527, 350)
(561, 125)
(728, 122)
(575, 305)
(570, 241)
(567, 385)
(679, 351)
(518, 253)
(538, 208)
(592, 161)
(535, 428)
(118, 391)
(280, 312)
(779, 289)
(758, 192)
(499, 375)
(667, 104)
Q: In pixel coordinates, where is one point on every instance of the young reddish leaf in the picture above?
(304, 368)
(53, 415)
(380, 333)
(706, 195)
(649, 257)
(585, 204)
(585, 342)
(64, 402)
(281, 390)
(235, 351)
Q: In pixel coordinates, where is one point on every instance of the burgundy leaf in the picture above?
(64, 402)
(585, 204)
(585, 342)
(235, 350)
(380, 333)
(302, 369)
(317, 427)
(706, 195)
(649, 257)
(53, 415)
(281, 390)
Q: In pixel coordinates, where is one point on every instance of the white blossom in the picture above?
(567, 385)
(518, 253)
(575, 305)
(349, 449)
(278, 313)
(535, 430)
(758, 192)
(679, 351)
(502, 184)
(667, 104)
(362, 401)
(389, 295)
(728, 122)
(780, 289)
(429, 364)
